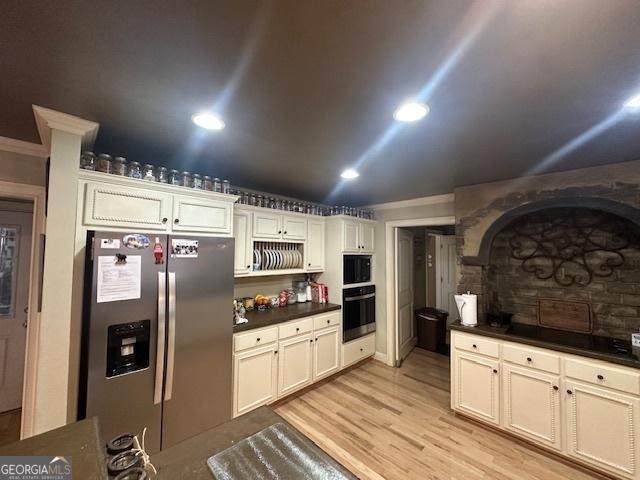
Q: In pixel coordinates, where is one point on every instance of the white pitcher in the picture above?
(468, 308)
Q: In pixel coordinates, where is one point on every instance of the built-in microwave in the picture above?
(356, 269)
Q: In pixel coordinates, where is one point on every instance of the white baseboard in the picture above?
(381, 357)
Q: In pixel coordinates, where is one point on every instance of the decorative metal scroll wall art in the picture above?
(571, 246)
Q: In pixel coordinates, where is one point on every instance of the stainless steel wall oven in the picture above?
(358, 312)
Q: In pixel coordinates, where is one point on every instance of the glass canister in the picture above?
(174, 177)
(197, 181)
(119, 166)
(226, 186)
(185, 179)
(88, 161)
(207, 183)
(259, 201)
(149, 173)
(163, 175)
(134, 170)
(104, 163)
(217, 185)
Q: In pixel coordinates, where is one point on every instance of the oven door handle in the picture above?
(359, 297)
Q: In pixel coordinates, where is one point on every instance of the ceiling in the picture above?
(309, 87)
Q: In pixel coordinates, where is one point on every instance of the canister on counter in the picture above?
(249, 303)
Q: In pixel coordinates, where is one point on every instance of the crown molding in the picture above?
(414, 202)
(47, 120)
(24, 148)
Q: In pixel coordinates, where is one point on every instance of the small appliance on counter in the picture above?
(467, 308)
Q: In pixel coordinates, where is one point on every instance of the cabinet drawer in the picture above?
(326, 320)
(474, 344)
(358, 349)
(530, 357)
(605, 376)
(297, 327)
(242, 341)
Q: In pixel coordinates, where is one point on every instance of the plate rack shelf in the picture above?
(277, 256)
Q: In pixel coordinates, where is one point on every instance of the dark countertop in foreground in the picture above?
(79, 441)
(272, 316)
(188, 459)
(593, 346)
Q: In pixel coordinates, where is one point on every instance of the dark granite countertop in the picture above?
(188, 459)
(79, 441)
(272, 316)
(593, 346)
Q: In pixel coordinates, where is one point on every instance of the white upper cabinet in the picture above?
(115, 202)
(294, 228)
(243, 253)
(350, 237)
(315, 245)
(267, 225)
(112, 205)
(192, 214)
(366, 233)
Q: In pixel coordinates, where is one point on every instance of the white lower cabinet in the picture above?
(295, 365)
(255, 373)
(584, 409)
(477, 386)
(531, 402)
(326, 353)
(602, 428)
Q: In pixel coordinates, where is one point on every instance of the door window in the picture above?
(9, 244)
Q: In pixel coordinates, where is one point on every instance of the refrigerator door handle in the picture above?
(172, 336)
(162, 309)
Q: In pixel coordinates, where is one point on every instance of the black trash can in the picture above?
(432, 329)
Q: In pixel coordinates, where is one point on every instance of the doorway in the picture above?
(424, 275)
(16, 220)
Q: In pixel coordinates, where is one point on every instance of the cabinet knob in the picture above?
(569, 392)
(297, 329)
(164, 220)
(328, 321)
(275, 352)
(474, 346)
(309, 264)
(529, 359)
(248, 266)
(279, 231)
(285, 232)
(311, 340)
(555, 387)
(600, 377)
(258, 339)
(495, 371)
(361, 350)
(177, 220)
(316, 339)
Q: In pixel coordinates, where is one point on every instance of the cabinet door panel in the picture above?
(602, 429)
(350, 236)
(295, 364)
(116, 206)
(315, 246)
(477, 387)
(255, 373)
(294, 228)
(366, 237)
(198, 215)
(326, 353)
(267, 225)
(241, 232)
(532, 405)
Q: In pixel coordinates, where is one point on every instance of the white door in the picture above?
(601, 428)
(366, 237)
(295, 364)
(404, 293)
(326, 359)
(446, 274)
(254, 378)
(477, 386)
(267, 225)
(200, 215)
(350, 236)
(243, 254)
(15, 260)
(531, 401)
(294, 228)
(315, 246)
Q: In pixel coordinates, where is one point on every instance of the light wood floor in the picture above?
(10, 426)
(383, 422)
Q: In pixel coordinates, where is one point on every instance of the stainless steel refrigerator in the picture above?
(157, 335)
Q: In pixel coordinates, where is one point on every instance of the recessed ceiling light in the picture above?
(633, 102)
(411, 112)
(207, 120)
(349, 174)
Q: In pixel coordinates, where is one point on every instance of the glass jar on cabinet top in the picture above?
(163, 175)
(88, 161)
(197, 181)
(186, 179)
(134, 170)
(119, 166)
(226, 186)
(217, 185)
(174, 177)
(104, 163)
(207, 183)
(149, 173)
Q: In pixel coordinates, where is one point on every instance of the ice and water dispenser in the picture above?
(128, 347)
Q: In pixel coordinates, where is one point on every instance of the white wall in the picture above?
(19, 168)
(428, 207)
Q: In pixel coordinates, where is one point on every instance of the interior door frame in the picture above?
(391, 277)
(36, 194)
